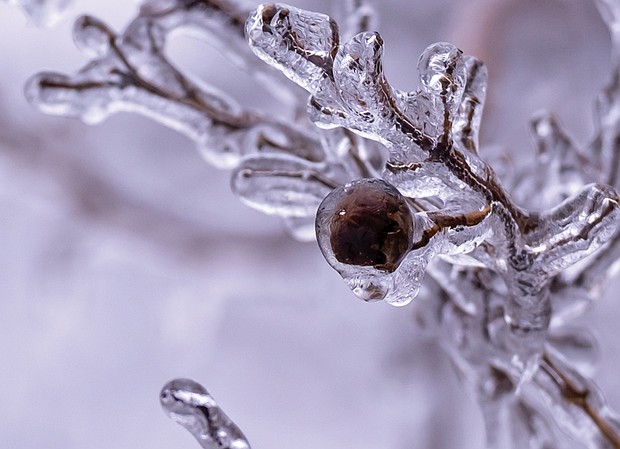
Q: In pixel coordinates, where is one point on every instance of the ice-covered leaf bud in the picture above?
(370, 225)
(442, 70)
(299, 43)
(92, 36)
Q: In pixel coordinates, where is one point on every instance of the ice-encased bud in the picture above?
(366, 231)
(371, 226)
(358, 73)
(466, 123)
(300, 43)
(92, 36)
(189, 404)
(441, 70)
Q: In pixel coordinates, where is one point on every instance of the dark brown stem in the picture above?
(442, 221)
(467, 219)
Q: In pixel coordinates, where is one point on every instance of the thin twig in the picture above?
(580, 398)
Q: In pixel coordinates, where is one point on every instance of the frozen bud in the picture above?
(92, 36)
(441, 69)
(299, 43)
(366, 232)
(370, 225)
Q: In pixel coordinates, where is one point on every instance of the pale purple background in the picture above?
(125, 260)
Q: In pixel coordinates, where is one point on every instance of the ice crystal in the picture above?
(399, 189)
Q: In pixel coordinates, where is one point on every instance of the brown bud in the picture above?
(371, 226)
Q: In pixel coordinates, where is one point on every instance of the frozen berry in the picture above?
(371, 225)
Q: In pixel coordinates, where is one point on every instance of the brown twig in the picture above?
(579, 397)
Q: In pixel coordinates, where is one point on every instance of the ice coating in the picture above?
(190, 405)
(301, 43)
(130, 72)
(470, 220)
(508, 264)
(281, 185)
(354, 93)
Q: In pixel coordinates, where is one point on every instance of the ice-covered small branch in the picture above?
(190, 405)
(130, 72)
(381, 247)
(600, 425)
(431, 134)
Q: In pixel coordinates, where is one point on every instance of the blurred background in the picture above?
(125, 260)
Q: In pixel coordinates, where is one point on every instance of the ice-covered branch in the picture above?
(379, 236)
(401, 189)
(431, 135)
(130, 72)
(190, 405)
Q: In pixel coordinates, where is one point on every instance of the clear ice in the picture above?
(400, 192)
(190, 405)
